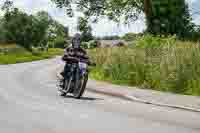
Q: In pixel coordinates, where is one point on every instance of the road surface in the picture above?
(29, 103)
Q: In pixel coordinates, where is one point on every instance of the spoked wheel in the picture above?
(62, 93)
(67, 86)
(80, 86)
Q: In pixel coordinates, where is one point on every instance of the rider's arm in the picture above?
(69, 55)
(84, 54)
(66, 54)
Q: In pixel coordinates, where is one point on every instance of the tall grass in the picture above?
(163, 64)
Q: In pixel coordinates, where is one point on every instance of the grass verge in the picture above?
(20, 55)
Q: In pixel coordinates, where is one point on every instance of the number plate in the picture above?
(82, 65)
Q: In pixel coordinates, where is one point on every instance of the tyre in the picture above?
(84, 85)
(80, 86)
(66, 88)
(67, 84)
(62, 93)
(61, 88)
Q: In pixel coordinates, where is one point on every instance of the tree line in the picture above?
(170, 17)
(163, 17)
(29, 31)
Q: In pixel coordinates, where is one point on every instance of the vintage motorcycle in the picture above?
(75, 80)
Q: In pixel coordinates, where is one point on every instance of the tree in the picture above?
(25, 30)
(85, 28)
(58, 35)
(29, 30)
(114, 9)
(43, 22)
(87, 35)
(2, 38)
(169, 17)
(162, 16)
(7, 7)
(60, 30)
(19, 28)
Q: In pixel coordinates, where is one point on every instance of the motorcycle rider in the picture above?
(74, 52)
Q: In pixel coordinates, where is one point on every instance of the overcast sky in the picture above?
(104, 27)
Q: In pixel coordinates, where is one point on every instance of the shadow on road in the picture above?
(90, 99)
(84, 98)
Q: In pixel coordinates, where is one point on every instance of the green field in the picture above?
(11, 45)
(20, 55)
(163, 64)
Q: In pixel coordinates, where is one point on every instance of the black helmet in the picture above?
(76, 41)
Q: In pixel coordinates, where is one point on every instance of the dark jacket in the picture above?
(71, 53)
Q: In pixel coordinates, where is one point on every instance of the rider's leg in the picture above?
(65, 70)
(64, 73)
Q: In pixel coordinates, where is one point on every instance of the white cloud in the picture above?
(106, 27)
(33, 6)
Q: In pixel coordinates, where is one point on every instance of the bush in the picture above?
(93, 44)
(85, 45)
(150, 41)
(58, 42)
(89, 45)
(130, 37)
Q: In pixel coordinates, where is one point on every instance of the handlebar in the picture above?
(76, 60)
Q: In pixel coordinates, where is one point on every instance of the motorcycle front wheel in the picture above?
(80, 86)
(67, 86)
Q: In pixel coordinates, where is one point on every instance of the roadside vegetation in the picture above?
(164, 57)
(19, 55)
(163, 64)
(25, 37)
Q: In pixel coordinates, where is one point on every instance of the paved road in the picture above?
(29, 103)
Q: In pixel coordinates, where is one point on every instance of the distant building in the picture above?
(111, 43)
